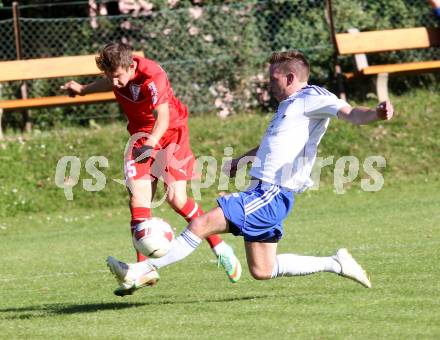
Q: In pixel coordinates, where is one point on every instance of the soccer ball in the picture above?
(153, 237)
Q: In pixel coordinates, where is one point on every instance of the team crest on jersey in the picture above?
(135, 90)
(154, 93)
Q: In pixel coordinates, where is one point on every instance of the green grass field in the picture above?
(54, 282)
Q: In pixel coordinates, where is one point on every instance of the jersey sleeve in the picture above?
(323, 106)
(158, 87)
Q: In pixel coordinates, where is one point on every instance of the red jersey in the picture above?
(149, 88)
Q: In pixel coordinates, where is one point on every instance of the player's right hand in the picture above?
(73, 88)
(385, 110)
(141, 154)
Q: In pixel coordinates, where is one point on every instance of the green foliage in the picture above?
(214, 51)
(298, 25)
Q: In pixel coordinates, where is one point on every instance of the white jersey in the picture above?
(288, 149)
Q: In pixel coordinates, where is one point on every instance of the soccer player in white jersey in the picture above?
(280, 170)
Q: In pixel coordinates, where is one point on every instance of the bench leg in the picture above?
(1, 115)
(26, 115)
(340, 82)
(1, 127)
(382, 86)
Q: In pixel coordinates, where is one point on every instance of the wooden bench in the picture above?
(359, 43)
(46, 68)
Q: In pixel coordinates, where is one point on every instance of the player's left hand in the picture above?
(141, 154)
(385, 110)
(73, 88)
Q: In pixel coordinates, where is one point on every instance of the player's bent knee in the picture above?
(202, 226)
(198, 224)
(260, 274)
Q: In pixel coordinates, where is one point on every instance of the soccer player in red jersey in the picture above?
(159, 145)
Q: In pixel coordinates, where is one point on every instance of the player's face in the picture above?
(277, 82)
(120, 77)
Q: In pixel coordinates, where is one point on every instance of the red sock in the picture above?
(139, 214)
(190, 211)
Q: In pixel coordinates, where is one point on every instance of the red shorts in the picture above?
(172, 159)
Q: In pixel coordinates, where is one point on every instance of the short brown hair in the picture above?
(292, 60)
(114, 55)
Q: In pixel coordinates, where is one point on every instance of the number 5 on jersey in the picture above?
(130, 169)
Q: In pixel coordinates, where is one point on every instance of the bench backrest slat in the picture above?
(50, 67)
(387, 40)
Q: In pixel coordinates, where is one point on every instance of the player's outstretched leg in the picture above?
(132, 277)
(190, 210)
(137, 275)
(342, 263)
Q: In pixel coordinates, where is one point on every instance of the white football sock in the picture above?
(181, 247)
(293, 265)
(220, 248)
